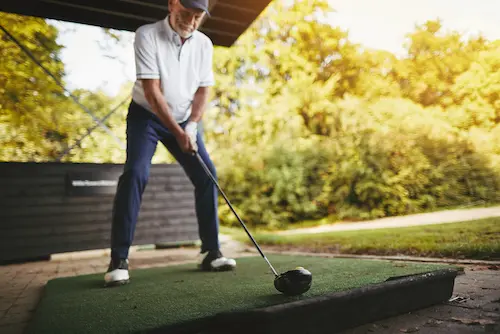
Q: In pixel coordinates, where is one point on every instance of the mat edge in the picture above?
(261, 319)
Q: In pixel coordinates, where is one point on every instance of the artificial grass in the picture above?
(169, 295)
(478, 239)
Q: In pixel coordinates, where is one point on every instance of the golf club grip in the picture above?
(232, 209)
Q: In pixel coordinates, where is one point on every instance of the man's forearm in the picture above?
(160, 107)
(200, 102)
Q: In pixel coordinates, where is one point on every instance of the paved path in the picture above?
(440, 217)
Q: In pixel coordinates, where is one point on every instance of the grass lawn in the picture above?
(178, 294)
(479, 239)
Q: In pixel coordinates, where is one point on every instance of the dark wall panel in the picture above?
(48, 208)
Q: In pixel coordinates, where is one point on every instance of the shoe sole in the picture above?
(225, 267)
(116, 283)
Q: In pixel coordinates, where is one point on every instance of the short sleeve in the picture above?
(207, 74)
(146, 65)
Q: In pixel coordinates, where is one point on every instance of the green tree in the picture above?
(435, 59)
(302, 124)
(342, 131)
(30, 99)
(477, 92)
(38, 117)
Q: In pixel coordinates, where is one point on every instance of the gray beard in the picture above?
(187, 35)
(177, 30)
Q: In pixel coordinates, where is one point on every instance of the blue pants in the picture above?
(144, 130)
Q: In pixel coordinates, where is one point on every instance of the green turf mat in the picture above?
(162, 296)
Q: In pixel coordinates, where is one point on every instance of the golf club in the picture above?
(292, 282)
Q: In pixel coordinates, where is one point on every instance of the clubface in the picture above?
(294, 282)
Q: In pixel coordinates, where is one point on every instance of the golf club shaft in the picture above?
(232, 209)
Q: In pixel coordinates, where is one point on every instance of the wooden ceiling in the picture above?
(229, 18)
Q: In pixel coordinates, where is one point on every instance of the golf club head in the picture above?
(293, 282)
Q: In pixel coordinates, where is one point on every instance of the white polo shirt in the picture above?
(182, 68)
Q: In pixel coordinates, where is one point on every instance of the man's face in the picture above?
(185, 20)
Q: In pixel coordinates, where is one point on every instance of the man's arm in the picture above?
(154, 96)
(200, 102)
(148, 72)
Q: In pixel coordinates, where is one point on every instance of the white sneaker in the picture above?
(117, 273)
(215, 261)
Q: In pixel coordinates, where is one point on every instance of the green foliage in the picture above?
(38, 120)
(303, 123)
(379, 159)
(30, 99)
(282, 185)
(435, 59)
(375, 135)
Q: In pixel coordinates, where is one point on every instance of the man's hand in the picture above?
(185, 142)
(192, 131)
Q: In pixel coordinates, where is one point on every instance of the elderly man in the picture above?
(174, 72)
